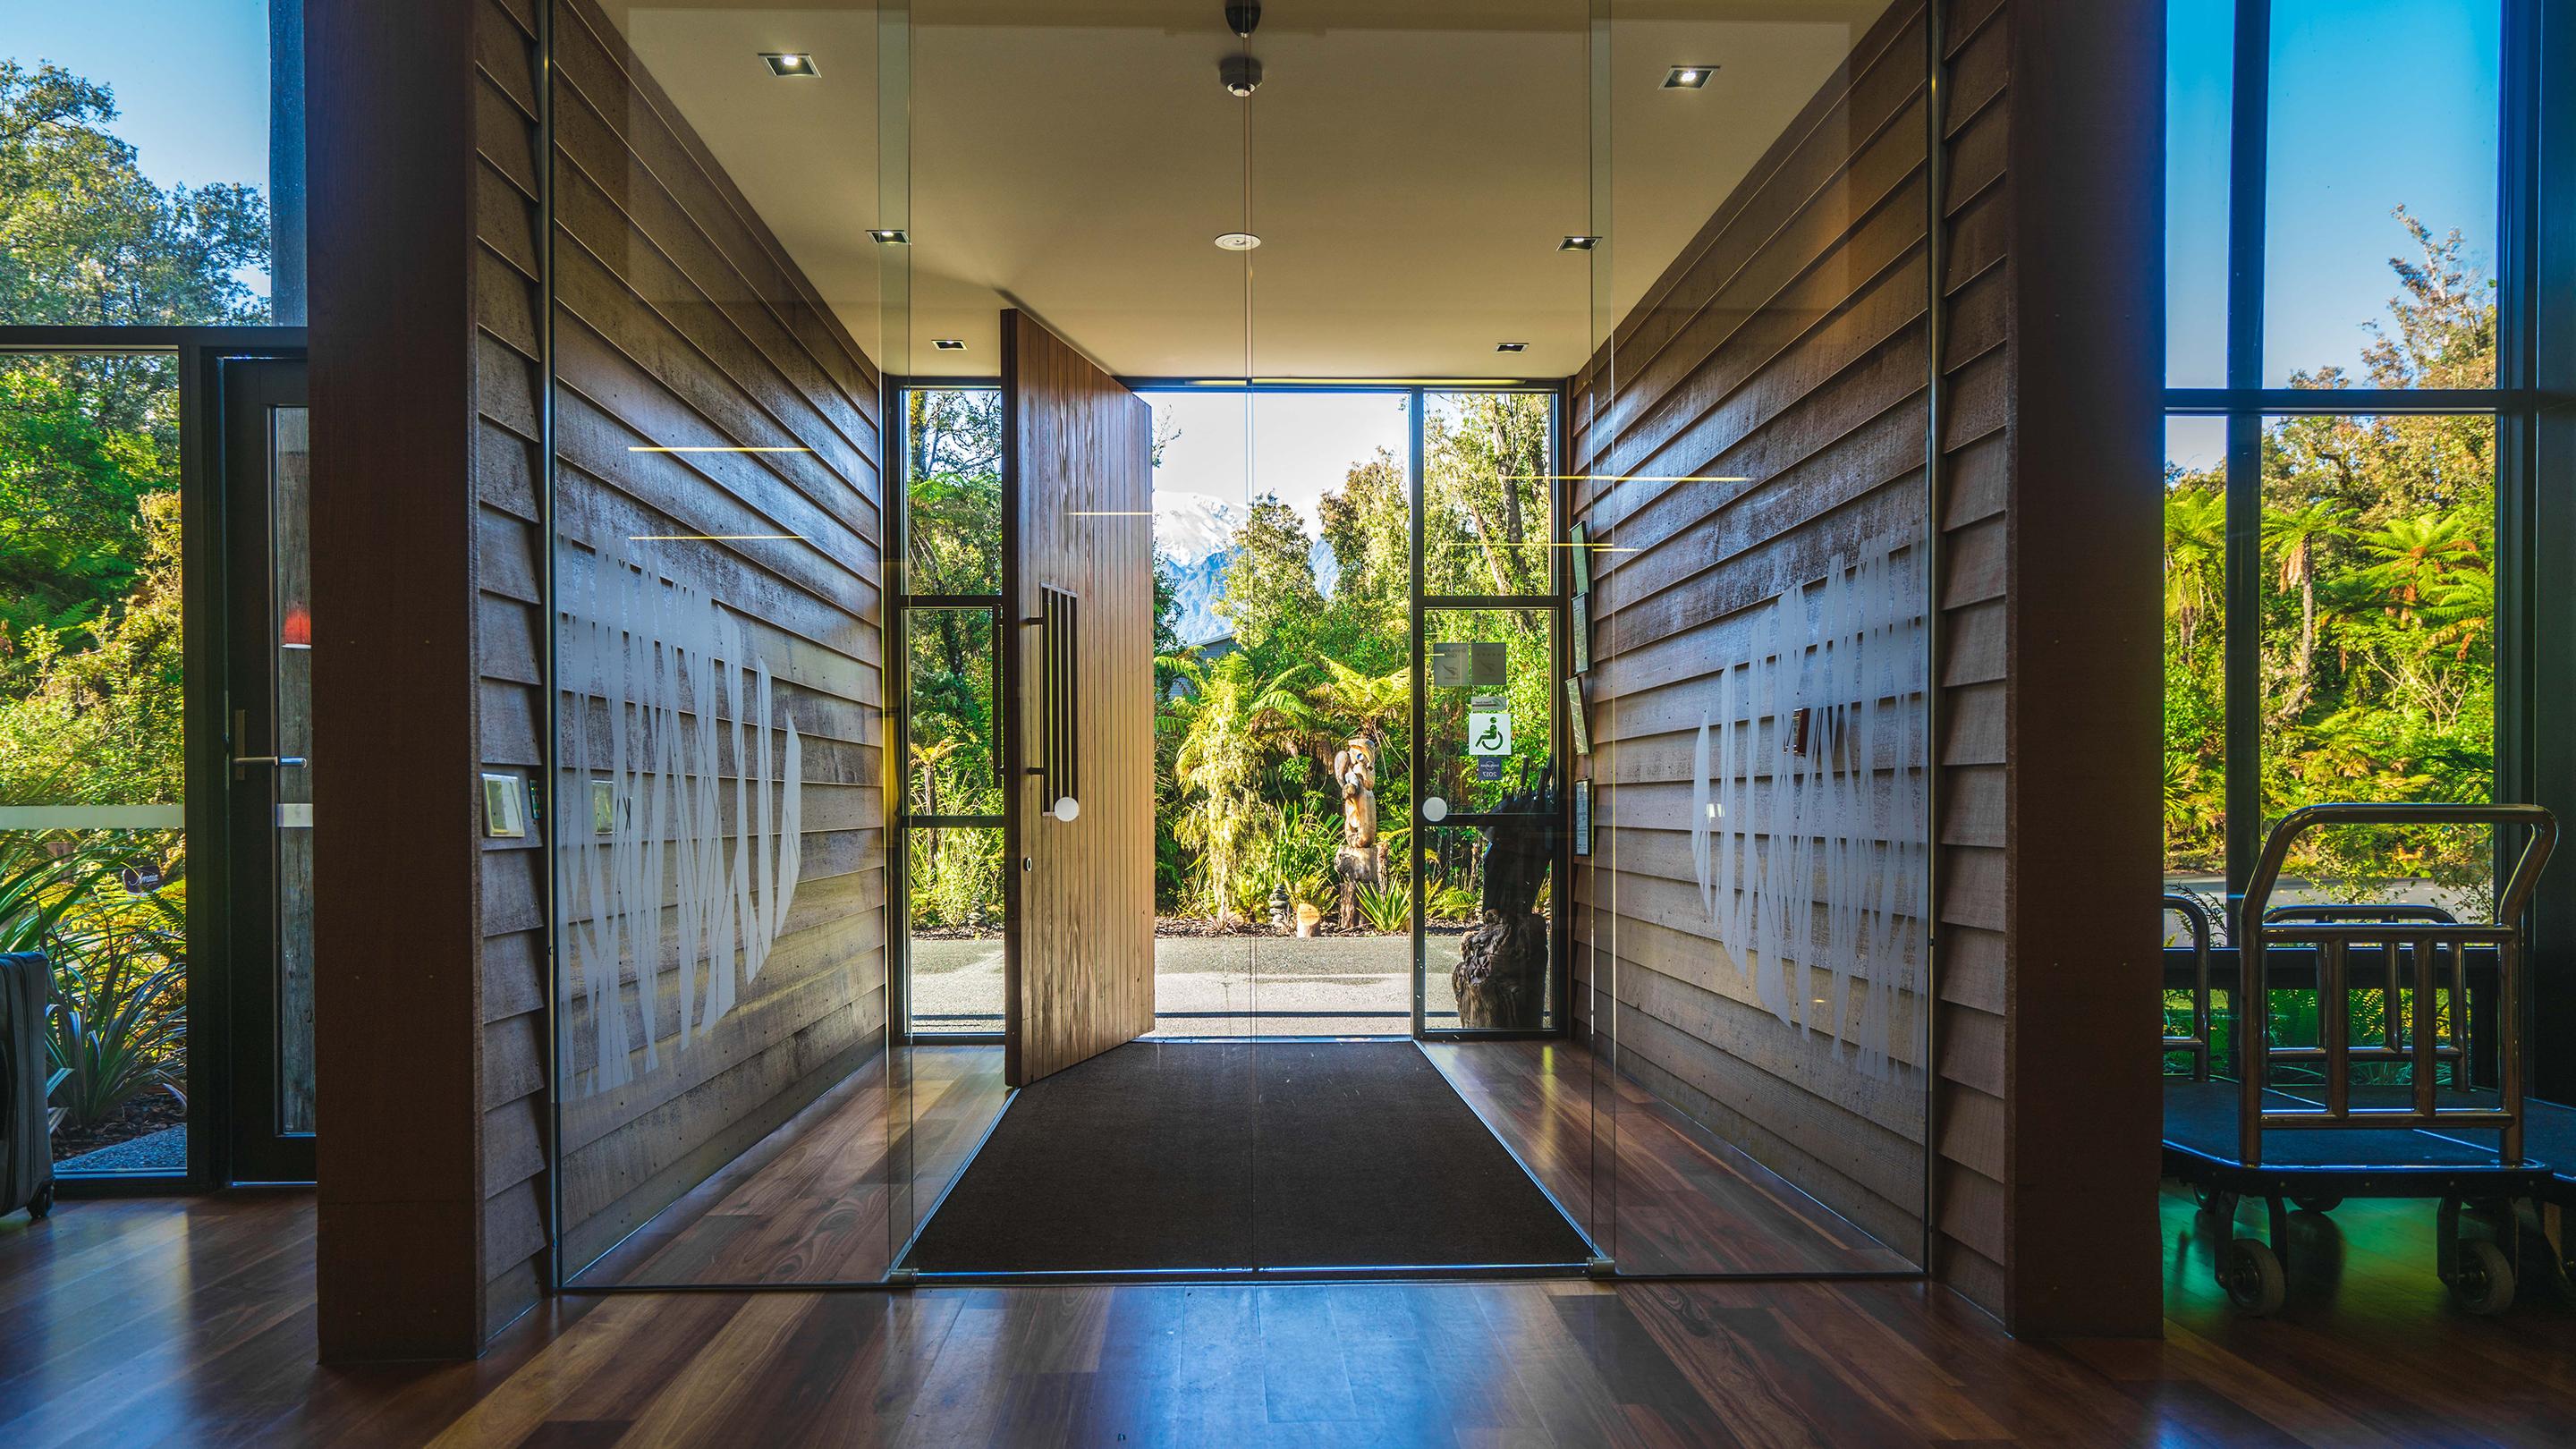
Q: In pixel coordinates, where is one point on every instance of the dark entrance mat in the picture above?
(1161, 1156)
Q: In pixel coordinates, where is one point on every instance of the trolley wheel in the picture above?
(42, 1203)
(2484, 1283)
(2318, 1204)
(2255, 1282)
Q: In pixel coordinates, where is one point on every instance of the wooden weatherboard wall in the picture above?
(681, 324)
(1078, 476)
(1789, 346)
(679, 321)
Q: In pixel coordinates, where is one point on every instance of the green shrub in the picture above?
(959, 883)
(118, 1025)
(1387, 908)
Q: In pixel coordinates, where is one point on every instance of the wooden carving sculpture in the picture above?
(1361, 859)
(1501, 976)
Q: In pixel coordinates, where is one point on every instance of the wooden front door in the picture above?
(1078, 752)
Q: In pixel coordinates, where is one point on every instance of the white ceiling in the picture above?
(1410, 168)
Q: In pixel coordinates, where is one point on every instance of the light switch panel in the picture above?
(505, 806)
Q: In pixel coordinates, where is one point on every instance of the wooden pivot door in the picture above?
(1078, 680)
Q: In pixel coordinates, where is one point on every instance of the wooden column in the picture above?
(397, 926)
(2084, 644)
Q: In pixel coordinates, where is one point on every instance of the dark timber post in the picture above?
(397, 933)
(2084, 640)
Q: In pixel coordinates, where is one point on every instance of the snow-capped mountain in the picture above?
(1190, 526)
(1192, 532)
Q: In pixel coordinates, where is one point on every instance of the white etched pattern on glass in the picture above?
(1770, 814)
(670, 666)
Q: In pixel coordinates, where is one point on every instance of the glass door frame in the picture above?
(900, 602)
(1416, 392)
(200, 354)
(1557, 602)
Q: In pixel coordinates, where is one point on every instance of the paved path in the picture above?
(1204, 985)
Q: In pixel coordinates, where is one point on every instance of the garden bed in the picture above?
(141, 1117)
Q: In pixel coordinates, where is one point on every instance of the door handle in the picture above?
(242, 763)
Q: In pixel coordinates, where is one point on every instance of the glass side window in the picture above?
(2200, 68)
(953, 482)
(2195, 628)
(2379, 666)
(93, 855)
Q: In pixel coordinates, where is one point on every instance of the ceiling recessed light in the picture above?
(790, 63)
(1238, 241)
(1511, 347)
(1688, 77)
(889, 236)
(1578, 243)
(949, 344)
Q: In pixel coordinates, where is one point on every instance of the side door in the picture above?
(268, 687)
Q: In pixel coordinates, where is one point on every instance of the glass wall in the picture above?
(1747, 570)
(722, 777)
(1537, 419)
(93, 846)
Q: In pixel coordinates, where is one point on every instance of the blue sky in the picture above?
(2375, 102)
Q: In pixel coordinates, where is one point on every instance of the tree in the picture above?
(1270, 582)
(2296, 539)
(1485, 524)
(85, 237)
(1231, 723)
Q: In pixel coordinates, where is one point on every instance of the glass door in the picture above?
(269, 689)
(1486, 831)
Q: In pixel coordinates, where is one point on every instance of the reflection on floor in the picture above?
(1680, 1200)
(830, 1195)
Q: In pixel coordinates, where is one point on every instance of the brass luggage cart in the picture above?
(2317, 1141)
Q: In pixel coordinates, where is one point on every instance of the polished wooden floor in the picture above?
(168, 1323)
(1657, 1192)
(835, 1191)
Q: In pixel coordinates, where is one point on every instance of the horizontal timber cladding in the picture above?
(719, 818)
(1750, 452)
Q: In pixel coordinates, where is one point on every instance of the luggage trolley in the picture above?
(2317, 1144)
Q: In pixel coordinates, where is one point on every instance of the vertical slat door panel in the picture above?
(1079, 580)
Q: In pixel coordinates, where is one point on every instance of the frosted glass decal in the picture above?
(1807, 771)
(678, 824)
